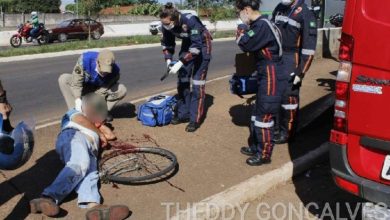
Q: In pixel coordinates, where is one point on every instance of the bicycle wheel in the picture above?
(137, 165)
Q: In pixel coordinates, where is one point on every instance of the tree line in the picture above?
(53, 6)
(23, 6)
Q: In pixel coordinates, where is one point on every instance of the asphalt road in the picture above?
(33, 91)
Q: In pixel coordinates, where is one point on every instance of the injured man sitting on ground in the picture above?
(81, 137)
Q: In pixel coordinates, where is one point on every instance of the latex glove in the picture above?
(175, 68)
(297, 80)
(169, 61)
(78, 104)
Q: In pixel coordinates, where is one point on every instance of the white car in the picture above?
(155, 26)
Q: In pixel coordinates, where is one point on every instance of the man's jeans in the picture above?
(34, 32)
(80, 172)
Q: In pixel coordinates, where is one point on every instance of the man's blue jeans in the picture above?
(80, 172)
(34, 32)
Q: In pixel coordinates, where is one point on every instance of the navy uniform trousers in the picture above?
(191, 103)
(272, 84)
(288, 118)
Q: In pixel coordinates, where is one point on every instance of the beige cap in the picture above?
(105, 59)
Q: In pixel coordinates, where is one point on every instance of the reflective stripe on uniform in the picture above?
(290, 106)
(189, 16)
(264, 124)
(199, 82)
(288, 20)
(167, 48)
(194, 51)
(308, 52)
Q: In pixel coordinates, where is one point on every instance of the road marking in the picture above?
(38, 127)
(44, 124)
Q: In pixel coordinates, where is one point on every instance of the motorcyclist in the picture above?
(34, 24)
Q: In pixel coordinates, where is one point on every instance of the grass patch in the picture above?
(77, 45)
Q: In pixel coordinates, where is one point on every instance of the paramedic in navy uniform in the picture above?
(263, 40)
(194, 59)
(298, 26)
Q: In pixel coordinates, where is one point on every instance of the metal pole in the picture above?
(89, 26)
(77, 9)
(197, 7)
(323, 13)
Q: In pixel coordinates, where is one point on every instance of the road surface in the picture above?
(32, 86)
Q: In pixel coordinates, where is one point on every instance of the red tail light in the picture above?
(347, 185)
(339, 135)
(342, 90)
(346, 47)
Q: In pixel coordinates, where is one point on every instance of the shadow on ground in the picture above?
(209, 101)
(33, 180)
(241, 114)
(315, 187)
(329, 84)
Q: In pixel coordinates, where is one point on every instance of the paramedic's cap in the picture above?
(106, 59)
(97, 103)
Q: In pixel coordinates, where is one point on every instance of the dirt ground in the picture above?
(312, 195)
(209, 160)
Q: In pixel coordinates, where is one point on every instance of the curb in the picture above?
(79, 52)
(258, 185)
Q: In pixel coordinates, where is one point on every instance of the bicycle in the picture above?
(128, 164)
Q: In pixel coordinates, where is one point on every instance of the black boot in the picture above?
(192, 127)
(248, 151)
(177, 120)
(280, 139)
(257, 161)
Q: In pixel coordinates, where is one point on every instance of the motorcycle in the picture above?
(24, 33)
(336, 20)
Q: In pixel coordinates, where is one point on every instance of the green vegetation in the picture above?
(146, 9)
(111, 3)
(143, 7)
(76, 45)
(20, 6)
(220, 14)
(209, 3)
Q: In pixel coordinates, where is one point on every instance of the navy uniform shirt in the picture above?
(193, 33)
(298, 26)
(259, 39)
